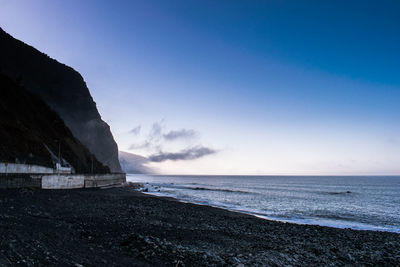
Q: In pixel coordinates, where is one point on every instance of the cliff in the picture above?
(30, 129)
(65, 91)
(134, 164)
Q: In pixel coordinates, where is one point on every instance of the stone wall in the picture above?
(23, 168)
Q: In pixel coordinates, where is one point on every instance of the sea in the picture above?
(356, 202)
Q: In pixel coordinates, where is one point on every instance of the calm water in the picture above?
(371, 203)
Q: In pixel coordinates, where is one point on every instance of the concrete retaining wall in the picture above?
(63, 181)
(70, 181)
(104, 180)
(20, 181)
(60, 181)
(23, 168)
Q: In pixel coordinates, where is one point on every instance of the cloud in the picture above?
(179, 134)
(153, 139)
(156, 131)
(136, 130)
(186, 154)
(157, 138)
(142, 145)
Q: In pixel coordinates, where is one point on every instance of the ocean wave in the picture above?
(326, 219)
(218, 190)
(342, 203)
(337, 193)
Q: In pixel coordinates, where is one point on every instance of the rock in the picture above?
(65, 91)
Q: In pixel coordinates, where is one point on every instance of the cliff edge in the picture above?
(32, 133)
(65, 91)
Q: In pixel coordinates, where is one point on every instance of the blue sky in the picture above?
(274, 87)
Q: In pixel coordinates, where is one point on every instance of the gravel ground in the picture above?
(122, 227)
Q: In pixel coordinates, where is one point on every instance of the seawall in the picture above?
(23, 168)
(61, 181)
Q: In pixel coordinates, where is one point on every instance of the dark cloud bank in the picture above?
(180, 134)
(156, 137)
(133, 163)
(186, 154)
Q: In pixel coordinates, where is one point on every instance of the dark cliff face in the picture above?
(29, 128)
(65, 91)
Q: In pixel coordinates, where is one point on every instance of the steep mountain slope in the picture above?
(29, 128)
(65, 91)
(132, 163)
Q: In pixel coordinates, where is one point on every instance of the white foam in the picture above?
(183, 193)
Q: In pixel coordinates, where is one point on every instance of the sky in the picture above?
(234, 87)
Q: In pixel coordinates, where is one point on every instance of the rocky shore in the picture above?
(122, 227)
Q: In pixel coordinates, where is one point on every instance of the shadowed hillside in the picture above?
(64, 90)
(28, 125)
(132, 163)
